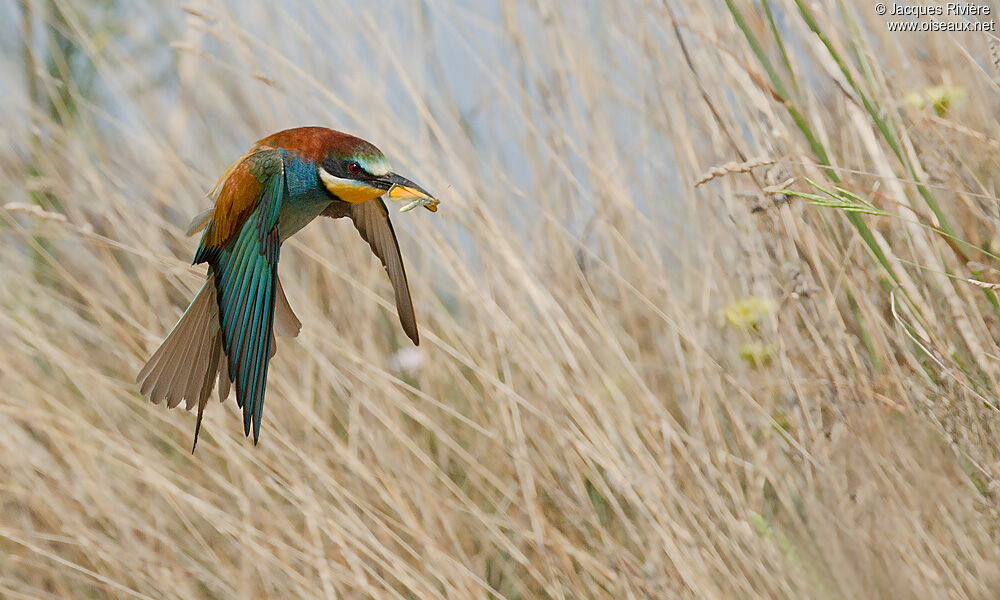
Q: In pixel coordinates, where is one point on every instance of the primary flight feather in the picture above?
(285, 181)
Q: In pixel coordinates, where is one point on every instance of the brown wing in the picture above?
(371, 219)
(236, 194)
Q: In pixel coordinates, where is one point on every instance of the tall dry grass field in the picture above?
(779, 383)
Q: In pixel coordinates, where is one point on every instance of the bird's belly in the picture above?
(298, 210)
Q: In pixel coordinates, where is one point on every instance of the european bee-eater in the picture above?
(285, 181)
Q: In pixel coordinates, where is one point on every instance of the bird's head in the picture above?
(355, 171)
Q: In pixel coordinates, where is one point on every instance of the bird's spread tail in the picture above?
(186, 364)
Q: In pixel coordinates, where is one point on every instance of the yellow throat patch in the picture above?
(349, 190)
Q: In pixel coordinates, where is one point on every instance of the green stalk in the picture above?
(817, 147)
(777, 37)
(883, 126)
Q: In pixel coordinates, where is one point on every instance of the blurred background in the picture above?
(708, 309)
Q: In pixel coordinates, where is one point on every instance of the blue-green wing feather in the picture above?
(245, 277)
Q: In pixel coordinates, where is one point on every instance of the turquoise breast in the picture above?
(306, 198)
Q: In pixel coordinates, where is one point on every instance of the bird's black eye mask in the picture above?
(346, 169)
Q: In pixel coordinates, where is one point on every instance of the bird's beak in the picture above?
(401, 188)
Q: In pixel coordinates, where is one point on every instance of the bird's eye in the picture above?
(354, 168)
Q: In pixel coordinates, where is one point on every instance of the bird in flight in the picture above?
(285, 181)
